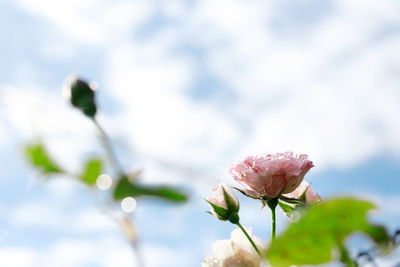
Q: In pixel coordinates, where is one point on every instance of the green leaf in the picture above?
(322, 230)
(244, 193)
(125, 188)
(39, 158)
(93, 169)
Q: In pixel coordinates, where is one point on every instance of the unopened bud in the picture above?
(81, 95)
(224, 204)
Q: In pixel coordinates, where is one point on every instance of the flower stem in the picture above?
(249, 238)
(272, 203)
(273, 224)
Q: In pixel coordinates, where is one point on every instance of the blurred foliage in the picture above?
(322, 230)
(39, 158)
(82, 96)
(93, 168)
(126, 188)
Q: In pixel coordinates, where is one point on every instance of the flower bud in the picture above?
(81, 95)
(305, 193)
(224, 204)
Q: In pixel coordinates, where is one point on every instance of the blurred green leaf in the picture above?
(125, 188)
(82, 96)
(39, 158)
(93, 169)
(322, 230)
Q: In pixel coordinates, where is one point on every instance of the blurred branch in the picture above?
(126, 222)
(82, 96)
(107, 146)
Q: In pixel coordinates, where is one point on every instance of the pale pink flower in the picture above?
(271, 174)
(224, 206)
(236, 252)
(217, 196)
(304, 190)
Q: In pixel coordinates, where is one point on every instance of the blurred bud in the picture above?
(224, 204)
(81, 95)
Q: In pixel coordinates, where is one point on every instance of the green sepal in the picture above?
(263, 203)
(285, 207)
(293, 200)
(244, 193)
(272, 203)
(221, 213)
(265, 198)
(233, 217)
(230, 202)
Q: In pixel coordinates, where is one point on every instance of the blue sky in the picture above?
(186, 89)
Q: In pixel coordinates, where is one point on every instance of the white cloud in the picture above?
(94, 220)
(164, 256)
(318, 93)
(17, 257)
(91, 22)
(163, 121)
(386, 204)
(106, 251)
(34, 215)
(322, 93)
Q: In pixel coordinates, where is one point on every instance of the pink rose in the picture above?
(271, 175)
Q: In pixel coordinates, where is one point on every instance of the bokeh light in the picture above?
(128, 204)
(104, 182)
